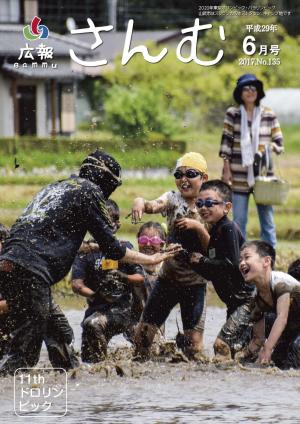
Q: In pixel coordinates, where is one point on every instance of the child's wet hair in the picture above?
(151, 224)
(113, 206)
(220, 187)
(294, 269)
(262, 248)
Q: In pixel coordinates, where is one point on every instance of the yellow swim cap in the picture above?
(193, 160)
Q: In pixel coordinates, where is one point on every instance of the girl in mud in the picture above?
(177, 282)
(151, 238)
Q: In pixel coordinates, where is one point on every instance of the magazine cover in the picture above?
(149, 201)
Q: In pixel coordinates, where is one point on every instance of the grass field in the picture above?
(17, 190)
(16, 193)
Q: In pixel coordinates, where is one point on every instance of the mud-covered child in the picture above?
(108, 287)
(277, 293)
(220, 264)
(177, 282)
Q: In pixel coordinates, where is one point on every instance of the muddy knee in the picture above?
(221, 348)
(95, 325)
(94, 341)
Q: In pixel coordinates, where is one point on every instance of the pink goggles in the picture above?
(155, 240)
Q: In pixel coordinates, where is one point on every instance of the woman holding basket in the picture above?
(251, 132)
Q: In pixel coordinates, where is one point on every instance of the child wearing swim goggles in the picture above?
(151, 239)
(177, 282)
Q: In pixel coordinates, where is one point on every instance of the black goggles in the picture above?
(189, 173)
(208, 203)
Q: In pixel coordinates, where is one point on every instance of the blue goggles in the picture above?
(208, 203)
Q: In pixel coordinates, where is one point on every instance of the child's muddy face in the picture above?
(150, 248)
(115, 219)
(251, 264)
(189, 187)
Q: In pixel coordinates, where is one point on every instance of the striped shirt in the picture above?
(230, 149)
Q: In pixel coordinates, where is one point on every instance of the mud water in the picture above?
(122, 391)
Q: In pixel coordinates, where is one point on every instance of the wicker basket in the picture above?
(271, 191)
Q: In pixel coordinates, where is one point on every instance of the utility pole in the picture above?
(112, 13)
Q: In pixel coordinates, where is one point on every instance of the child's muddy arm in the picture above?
(282, 309)
(80, 288)
(155, 206)
(258, 337)
(88, 247)
(135, 279)
(133, 256)
(141, 206)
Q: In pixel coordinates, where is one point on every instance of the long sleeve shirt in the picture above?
(46, 237)
(269, 132)
(221, 265)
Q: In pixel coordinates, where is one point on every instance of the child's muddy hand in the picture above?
(171, 250)
(195, 257)
(174, 249)
(174, 246)
(137, 210)
(264, 356)
(159, 257)
(187, 224)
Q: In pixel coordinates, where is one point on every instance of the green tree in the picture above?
(136, 112)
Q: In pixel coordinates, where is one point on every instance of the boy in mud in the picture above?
(277, 293)
(44, 241)
(59, 335)
(221, 266)
(108, 292)
(177, 282)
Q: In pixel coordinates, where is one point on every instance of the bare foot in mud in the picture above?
(218, 359)
(221, 359)
(200, 357)
(178, 357)
(167, 348)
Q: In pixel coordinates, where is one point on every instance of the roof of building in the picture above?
(12, 40)
(63, 72)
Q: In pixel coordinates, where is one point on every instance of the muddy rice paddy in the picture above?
(168, 390)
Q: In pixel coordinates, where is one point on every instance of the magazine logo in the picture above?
(35, 31)
(36, 56)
